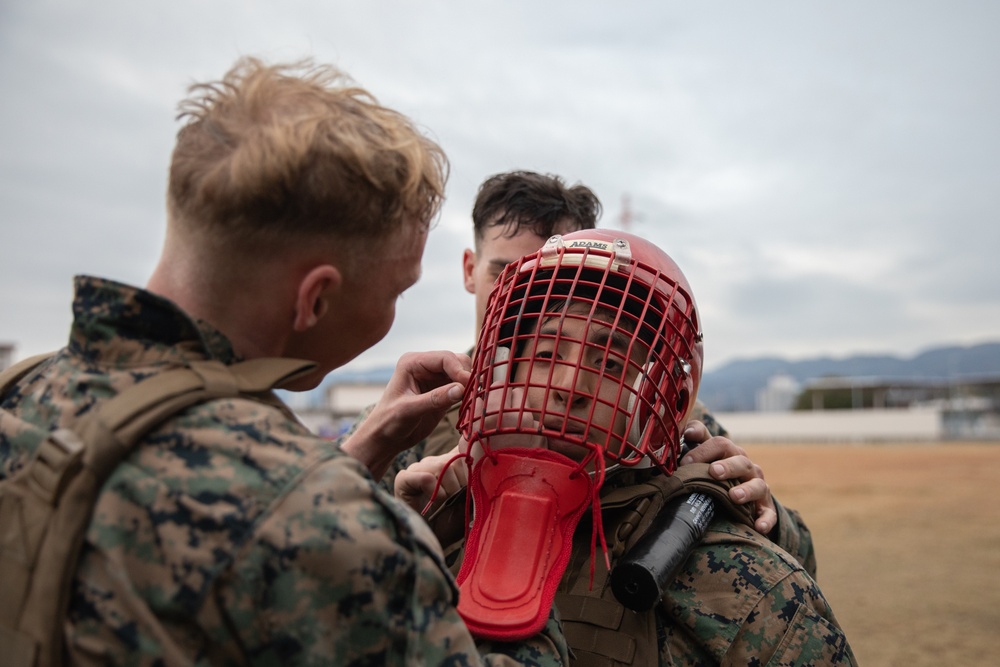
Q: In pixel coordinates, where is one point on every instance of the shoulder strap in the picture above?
(643, 501)
(13, 374)
(45, 508)
(695, 478)
(120, 422)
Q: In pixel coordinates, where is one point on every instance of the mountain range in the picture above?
(733, 386)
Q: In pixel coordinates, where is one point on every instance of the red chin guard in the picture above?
(527, 503)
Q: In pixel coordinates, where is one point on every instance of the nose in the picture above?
(572, 385)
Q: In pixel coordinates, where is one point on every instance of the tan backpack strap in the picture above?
(661, 485)
(130, 411)
(124, 418)
(13, 374)
(114, 427)
(118, 423)
(48, 504)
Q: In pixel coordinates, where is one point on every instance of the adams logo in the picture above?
(586, 243)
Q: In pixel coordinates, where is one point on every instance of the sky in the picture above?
(826, 173)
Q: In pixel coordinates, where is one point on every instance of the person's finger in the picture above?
(735, 467)
(713, 449)
(450, 483)
(695, 433)
(420, 372)
(767, 519)
(754, 490)
(459, 366)
(446, 396)
(414, 487)
(461, 469)
(757, 492)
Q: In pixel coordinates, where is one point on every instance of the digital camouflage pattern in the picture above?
(737, 600)
(740, 601)
(231, 535)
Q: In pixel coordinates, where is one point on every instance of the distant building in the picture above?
(871, 409)
(875, 425)
(864, 393)
(779, 395)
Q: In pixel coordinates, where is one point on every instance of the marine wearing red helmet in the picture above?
(590, 353)
(559, 324)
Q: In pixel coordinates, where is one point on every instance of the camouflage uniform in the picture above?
(791, 533)
(737, 600)
(231, 535)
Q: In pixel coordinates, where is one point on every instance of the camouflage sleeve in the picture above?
(401, 462)
(739, 601)
(442, 439)
(340, 573)
(363, 415)
(791, 532)
(792, 535)
(792, 625)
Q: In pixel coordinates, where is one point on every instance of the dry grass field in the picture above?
(908, 544)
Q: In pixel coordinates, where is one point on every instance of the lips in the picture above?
(563, 424)
(572, 434)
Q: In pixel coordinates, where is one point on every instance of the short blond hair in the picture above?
(279, 153)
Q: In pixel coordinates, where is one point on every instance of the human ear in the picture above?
(468, 266)
(312, 298)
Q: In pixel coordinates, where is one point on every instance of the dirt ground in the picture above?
(908, 544)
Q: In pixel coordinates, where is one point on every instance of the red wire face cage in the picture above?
(592, 346)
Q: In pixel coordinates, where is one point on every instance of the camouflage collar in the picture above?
(123, 325)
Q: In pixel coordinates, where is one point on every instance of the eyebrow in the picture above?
(598, 337)
(500, 264)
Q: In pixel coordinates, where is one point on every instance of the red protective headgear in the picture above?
(590, 348)
(614, 281)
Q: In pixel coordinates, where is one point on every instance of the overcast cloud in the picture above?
(826, 173)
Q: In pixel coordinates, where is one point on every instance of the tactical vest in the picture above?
(45, 506)
(601, 631)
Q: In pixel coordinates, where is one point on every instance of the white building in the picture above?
(779, 395)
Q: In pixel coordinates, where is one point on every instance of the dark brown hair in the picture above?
(540, 203)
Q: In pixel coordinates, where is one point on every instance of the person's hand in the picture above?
(730, 461)
(423, 387)
(415, 484)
